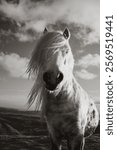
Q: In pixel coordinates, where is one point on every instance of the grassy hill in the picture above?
(24, 130)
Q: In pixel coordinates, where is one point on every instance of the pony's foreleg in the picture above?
(69, 144)
(55, 144)
(78, 143)
(83, 144)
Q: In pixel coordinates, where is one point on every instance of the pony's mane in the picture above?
(47, 46)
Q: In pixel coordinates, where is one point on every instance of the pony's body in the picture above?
(69, 111)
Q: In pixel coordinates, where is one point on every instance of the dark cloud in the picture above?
(34, 15)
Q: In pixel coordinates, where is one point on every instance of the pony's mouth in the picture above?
(51, 87)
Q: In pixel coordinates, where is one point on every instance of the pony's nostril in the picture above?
(59, 77)
(46, 77)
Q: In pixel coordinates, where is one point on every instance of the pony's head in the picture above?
(52, 59)
(58, 60)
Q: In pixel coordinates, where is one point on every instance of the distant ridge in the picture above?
(3, 109)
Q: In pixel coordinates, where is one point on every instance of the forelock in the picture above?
(48, 44)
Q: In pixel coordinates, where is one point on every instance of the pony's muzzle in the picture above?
(52, 80)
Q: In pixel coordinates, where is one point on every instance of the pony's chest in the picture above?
(63, 123)
(61, 115)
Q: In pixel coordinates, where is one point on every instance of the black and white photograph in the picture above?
(50, 74)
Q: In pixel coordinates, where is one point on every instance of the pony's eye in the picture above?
(65, 52)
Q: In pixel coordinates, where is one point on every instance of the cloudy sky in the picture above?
(21, 24)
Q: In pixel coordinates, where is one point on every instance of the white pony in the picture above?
(69, 111)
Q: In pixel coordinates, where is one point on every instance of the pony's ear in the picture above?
(66, 33)
(45, 30)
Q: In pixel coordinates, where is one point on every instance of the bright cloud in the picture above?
(84, 74)
(37, 15)
(14, 64)
(89, 60)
